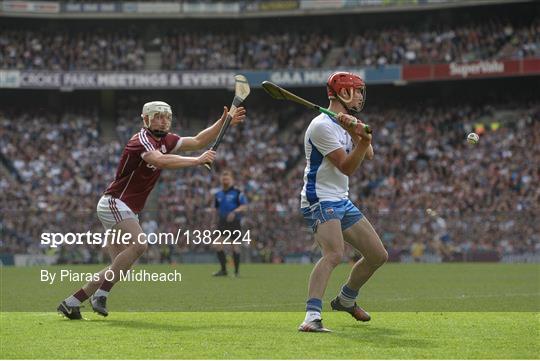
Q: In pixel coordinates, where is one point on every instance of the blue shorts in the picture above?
(324, 211)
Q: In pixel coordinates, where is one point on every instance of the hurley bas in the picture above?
(125, 276)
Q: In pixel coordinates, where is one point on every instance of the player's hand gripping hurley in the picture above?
(278, 92)
(241, 92)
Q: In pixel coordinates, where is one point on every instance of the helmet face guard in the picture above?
(161, 109)
(350, 82)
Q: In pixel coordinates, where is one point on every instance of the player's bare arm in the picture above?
(349, 163)
(356, 132)
(173, 161)
(370, 154)
(354, 127)
(209, 134)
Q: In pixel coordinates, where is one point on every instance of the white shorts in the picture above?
(111, 211)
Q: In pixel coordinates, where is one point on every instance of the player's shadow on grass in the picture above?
(157, 325)
(383, 337)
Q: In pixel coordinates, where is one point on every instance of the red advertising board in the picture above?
(531, 66)
(478, 69)
(416, 72)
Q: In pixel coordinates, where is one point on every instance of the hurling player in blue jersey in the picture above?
(335, 148)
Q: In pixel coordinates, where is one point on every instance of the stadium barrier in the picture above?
(391, 74)
(6, 259)
(34, 260)
(206, 257)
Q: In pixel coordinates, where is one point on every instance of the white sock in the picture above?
(71, 301)
(312, 315)
(100, 292)
(346, 301)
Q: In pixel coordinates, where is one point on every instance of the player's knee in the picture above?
(380, 258)
(334, 258)
(140, 248)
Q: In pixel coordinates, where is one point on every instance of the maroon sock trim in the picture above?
(80, 295)
(106, 285)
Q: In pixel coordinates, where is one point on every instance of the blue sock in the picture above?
(347, 296)
(313, 309)
(314, 304)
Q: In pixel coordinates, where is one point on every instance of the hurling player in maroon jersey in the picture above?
(146, 153)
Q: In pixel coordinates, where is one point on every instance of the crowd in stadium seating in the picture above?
(60, 166)
(482, 197)
(461, 44)
(180, 50)
(70, 50)
(268, 51)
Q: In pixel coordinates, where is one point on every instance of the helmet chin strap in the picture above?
(354, 111)
(157, 133)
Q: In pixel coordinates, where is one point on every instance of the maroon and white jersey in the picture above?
(135, 178)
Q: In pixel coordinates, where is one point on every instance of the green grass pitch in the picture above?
(449, 311)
